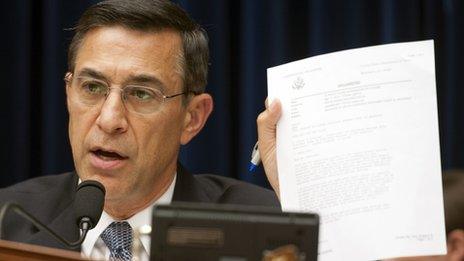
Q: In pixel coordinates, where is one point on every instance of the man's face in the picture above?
(133, 155)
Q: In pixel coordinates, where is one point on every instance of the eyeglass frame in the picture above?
(69, 78)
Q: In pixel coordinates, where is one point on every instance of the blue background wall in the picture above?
(246, 37)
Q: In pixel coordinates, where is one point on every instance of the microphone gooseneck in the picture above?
(88, 207)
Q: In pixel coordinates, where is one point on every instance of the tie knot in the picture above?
(118, 238)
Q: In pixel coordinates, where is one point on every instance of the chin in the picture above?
(116, 190)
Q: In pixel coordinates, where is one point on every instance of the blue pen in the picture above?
(255, 159)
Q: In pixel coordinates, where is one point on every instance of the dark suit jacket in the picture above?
(51, 198)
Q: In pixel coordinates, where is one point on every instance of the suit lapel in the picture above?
(63, 224)
(188, 188)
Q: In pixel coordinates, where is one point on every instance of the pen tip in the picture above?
(251, 167)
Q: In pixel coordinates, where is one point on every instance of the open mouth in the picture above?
(108, 155)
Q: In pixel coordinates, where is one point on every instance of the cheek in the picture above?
(80, 122)
(159, 139)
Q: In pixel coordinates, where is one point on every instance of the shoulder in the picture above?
(227, 190)
(41, 184)
(48, 198)
(39, 189)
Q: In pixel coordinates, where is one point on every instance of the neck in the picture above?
(122, 209)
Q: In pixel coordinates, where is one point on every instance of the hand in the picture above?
(267, 121)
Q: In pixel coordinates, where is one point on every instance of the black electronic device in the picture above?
(189, 231)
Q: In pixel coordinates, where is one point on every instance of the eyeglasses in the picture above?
(137, 99)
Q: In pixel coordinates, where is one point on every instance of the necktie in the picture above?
(118, 238)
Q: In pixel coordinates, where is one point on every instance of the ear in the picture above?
(455, 243)
(198, 110)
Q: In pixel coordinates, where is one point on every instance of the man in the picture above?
(453, 191)
(135, 94)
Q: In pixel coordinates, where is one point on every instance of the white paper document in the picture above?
(358, 143)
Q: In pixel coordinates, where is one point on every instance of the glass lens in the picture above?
(142, 99)
(91, 92)
(138, 99)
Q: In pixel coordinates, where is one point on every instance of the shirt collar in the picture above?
(141, 218)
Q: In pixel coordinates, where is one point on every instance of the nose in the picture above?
(112, 118)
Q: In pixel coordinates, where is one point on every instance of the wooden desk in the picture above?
(19, 251)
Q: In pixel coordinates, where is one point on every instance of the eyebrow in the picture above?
(132, 79)
(87, 72)
(146, 79)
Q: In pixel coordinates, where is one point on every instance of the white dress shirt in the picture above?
(93, 246)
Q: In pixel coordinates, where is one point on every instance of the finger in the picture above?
(267, 121)
(275, 110)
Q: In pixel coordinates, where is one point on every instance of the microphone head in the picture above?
(88, 203)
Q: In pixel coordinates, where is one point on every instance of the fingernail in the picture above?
(272, 108)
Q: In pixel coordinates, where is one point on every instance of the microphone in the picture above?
(88, 207)
(88, 204)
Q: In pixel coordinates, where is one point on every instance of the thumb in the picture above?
(267, 126)
(267, 121)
